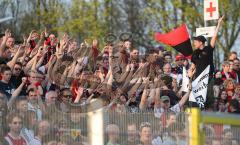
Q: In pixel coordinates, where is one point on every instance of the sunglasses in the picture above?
(145, 124)
(17, 69)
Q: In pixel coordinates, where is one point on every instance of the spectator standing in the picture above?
(15, 124)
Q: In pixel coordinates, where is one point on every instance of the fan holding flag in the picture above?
(201, 57)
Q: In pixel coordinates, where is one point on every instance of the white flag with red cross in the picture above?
(211, 10)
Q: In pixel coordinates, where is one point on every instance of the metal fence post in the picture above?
(194, 126)
(95, 123)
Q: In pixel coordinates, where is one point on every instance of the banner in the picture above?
(185, 80)
(211, 10)
(206, 31)
(199, 88)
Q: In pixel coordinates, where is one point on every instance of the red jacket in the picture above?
(227, 75)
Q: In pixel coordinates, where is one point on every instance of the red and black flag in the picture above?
(178, 38)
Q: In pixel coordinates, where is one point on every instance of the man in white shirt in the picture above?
(162, 104)
(35, 102)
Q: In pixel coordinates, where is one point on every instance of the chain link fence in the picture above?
(107, 127)
(221, 134)
(120, 128)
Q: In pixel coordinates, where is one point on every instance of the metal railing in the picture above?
(105, 126)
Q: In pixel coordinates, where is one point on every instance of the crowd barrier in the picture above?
(101, 126)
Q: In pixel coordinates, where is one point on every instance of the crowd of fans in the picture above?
(47, 82)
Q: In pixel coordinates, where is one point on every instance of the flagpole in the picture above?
(205, 23)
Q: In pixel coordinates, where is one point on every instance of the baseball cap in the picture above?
(165, 98)
(200, 38)
(179, 57)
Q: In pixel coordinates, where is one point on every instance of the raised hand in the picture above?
(32, 36)
(24, 39)
(24, 80)
(145, 80)
(191, 72)
(64, 41)
(7, 35)
(42, 36)
(52, 59)
(27, 50)
(95, 43)
(155, 80)
(128, 67)
(160, 83)
(131, 66)
(110, 49)
(79, 91)
(21, 49)
(46, 34)
(41, 51)
(190, 86)
(220, 20)
(214, 38)
(62, 45)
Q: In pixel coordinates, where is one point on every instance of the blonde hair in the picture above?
(227, 81)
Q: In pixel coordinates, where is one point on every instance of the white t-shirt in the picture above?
(42, 69)
(157, 141)
(28, 136)
(37, 110)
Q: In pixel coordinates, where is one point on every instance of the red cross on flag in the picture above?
(210, 10)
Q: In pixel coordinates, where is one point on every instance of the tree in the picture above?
(165, 15)
(87, 19)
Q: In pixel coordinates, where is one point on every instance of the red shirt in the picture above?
(218, 130)
(227, 75)
(11, 141)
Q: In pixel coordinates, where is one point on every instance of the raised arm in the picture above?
(44, 52)
(110, 79)
(29, 64)
(64, 76)
(157, 100)
(20, 51)
(191, 70)
(79, 94)
(137, 83)
(153, 90)
(185, 97)
(51, 64)
(40, 42)
(16, 93)
(145, 93)
(125, 74)
(214, 38)
(3, 44)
